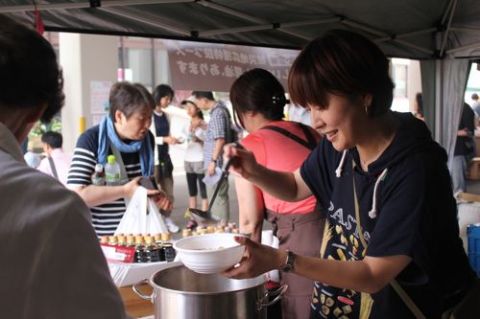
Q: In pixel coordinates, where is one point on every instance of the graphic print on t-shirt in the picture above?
(343, 243)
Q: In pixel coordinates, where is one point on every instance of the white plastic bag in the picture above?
(138, 220)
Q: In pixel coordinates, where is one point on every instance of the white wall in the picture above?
(84, 58)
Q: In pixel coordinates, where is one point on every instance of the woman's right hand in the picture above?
(243, 161)
(130, 187)
(257, 259)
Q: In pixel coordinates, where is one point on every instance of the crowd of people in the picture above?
(137, 132)
(365, 215)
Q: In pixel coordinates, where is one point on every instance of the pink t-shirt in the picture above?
(278, 152)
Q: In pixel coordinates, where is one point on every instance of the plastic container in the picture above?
(473, 232)
(468, 213)
(98, 177)
(112, 171)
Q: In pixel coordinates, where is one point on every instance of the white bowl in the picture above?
(209, 254)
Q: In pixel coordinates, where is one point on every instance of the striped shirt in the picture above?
(105, 217)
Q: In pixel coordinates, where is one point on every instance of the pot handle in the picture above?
(279, 292)
(137, 291)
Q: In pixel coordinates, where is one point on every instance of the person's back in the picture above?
(51, 261)
(57, 162)
(52, 265)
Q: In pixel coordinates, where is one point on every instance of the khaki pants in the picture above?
(221, 207)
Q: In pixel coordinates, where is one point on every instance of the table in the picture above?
(134, 305)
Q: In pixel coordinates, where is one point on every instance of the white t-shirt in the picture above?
(51, 263)
(61, 161)
(194, 151)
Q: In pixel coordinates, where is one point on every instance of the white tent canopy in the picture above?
(444, 34)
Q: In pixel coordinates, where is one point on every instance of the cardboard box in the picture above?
(474, 169)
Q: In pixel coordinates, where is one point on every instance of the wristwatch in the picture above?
(289, 262)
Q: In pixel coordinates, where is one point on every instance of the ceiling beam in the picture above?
(464, 47)
(142, 18)
(407, 35)
(414, 46)
(84, 5)
(270, 26)
(385, 36)
(461, 29)
(247, 17)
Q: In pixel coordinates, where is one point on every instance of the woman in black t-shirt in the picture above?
(392, 228)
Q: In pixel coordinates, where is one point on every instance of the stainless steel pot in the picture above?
(181, 293)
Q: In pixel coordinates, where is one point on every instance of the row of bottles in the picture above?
(147, 248)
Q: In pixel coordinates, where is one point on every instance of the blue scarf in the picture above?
(107, 135)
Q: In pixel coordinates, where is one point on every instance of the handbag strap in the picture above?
(395, 285)
(53, 168)
(310, 143)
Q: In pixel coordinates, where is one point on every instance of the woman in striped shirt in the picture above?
(124, 131)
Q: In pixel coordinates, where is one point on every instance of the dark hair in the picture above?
(474, 96)
(29, 72)
(203, 94)
(161, 91)
(341, 63)
(198, 113)
(128, 98)
(259, 91)
(53, 139)
(185, 102)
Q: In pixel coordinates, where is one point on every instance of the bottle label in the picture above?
(112, 179)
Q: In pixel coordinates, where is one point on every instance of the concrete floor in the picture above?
(181, 198)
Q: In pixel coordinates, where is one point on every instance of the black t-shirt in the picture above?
(465, 145)
(415, 216)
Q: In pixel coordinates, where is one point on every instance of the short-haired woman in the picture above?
(392, 232)
(124, 131)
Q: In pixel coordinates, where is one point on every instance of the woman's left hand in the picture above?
(257, 259)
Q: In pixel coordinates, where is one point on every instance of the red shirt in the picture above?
(278, 152)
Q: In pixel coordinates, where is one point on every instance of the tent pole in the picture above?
(445, 13)
(447, 29)
(438, 100)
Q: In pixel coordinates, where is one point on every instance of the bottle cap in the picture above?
(111, 159)
(99, 168)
